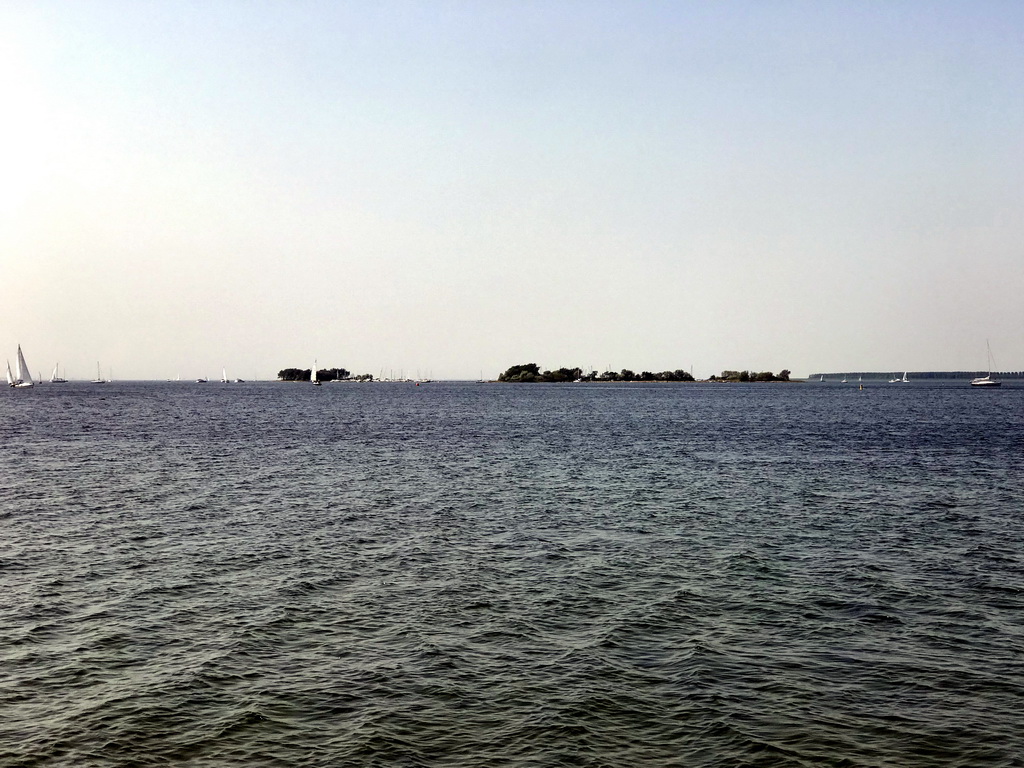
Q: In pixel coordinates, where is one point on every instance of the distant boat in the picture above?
(904, 380)
(99, 376)
(201, 380)
(223, 375)
(987, 381)
(313, 377)
(21, 378)
(55, 377)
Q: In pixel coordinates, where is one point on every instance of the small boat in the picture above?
(55, 377)
(313, 376)
(99, 376)
(987, 381)
(21, 378)
(904, 380)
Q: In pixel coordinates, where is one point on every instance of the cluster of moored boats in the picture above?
(223, 379)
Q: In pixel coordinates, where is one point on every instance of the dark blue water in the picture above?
(499, 575)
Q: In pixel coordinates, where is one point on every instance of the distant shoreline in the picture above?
(854, 376)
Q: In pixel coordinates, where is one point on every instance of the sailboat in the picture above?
(312, 375)
(904, 380)
(55, 377)
(99, 376)
(987, 381)
(21, 378)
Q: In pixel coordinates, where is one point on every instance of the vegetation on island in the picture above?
(322, 374)
(783, 375)
(530, 372)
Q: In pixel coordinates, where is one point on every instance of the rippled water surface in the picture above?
(487, 575)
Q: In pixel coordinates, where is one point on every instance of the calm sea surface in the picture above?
(497, 575)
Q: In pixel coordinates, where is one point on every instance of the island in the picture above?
(782, 375)
(531, 373)
(322, 374)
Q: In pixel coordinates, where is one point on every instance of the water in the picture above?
(487, 575)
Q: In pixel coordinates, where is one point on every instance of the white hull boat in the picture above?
(987, 381)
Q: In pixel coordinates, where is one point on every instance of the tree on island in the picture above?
(522, 373)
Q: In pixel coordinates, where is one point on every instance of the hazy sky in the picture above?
(451, 188)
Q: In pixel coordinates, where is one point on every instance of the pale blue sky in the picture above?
(450, 188)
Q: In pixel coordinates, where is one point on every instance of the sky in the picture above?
(450, 188)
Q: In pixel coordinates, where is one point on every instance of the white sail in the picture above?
(22, 377)
(312, 374)
(10, 376)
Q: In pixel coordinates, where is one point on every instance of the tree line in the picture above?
(782, 375)
(531, 372)
(322, 374)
